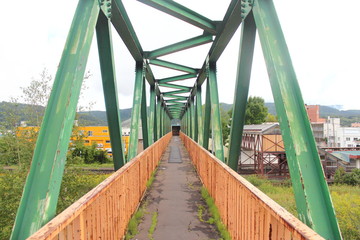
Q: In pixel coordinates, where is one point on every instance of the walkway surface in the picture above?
(175, 196)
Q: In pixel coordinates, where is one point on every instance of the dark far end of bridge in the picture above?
(41, 191)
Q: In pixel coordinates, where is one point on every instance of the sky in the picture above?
(323, 39)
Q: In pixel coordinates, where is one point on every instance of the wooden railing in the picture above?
(103, 213)
(246, 211)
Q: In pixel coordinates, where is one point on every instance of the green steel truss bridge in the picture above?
(39, 200)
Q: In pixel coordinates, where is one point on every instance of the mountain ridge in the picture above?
(99, 118)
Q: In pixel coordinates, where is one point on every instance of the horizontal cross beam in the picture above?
(179, 11)
(174, 66)
(176, 47)
(177, 78)
(175, 86)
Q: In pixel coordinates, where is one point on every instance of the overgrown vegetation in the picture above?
(134, 222)
(75, 184)
(136, 219)
(151, 179)
(342, 177)
(152, 228)
(346, 200)
(16, 150)
(214, 215)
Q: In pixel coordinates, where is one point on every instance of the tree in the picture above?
(271, 118)
(256, 112)
(36, 96)
(225, 124)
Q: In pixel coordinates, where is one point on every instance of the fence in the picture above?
(246, 211)
(110, 204)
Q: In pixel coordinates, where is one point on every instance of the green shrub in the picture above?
(352, 178)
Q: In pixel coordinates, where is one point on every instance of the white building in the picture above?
(348, 137)
(331, 127)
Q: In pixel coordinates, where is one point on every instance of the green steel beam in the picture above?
(246, 51)
(144, 118)
(174, 66)
(175, 86)
(123, 26)
(312, 196)
(177, 78)
(170, 94)
(136, 110)
(158, 118)
(149, 75)
(227, 28)
(191, 116)
(199, 116)
(103, 33)
(161, 121)
(176, 99)
(175, 108)
(179, 104)
(215, 110)
(195, 119)
(41, 191)
(189, 43)
(164, 122)
(152, 116)
(175, 9)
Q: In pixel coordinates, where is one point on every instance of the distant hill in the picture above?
(91, 118)
(98, 118)
(347, 116)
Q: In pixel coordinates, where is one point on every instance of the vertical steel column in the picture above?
(215, 110)
(103, 33)
(136, 109)
(144, 117)
(207, 117)
(194, 120)
(312, 196)
(161, 119)
(152, 117)
(199, 116)
(190, 121)
(158, 118)
(41, 191)
(191, 118)
(185, 122)
(246, 51)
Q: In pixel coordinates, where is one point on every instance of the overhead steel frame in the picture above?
(41, 191)
(42, 188)
(313, 200)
